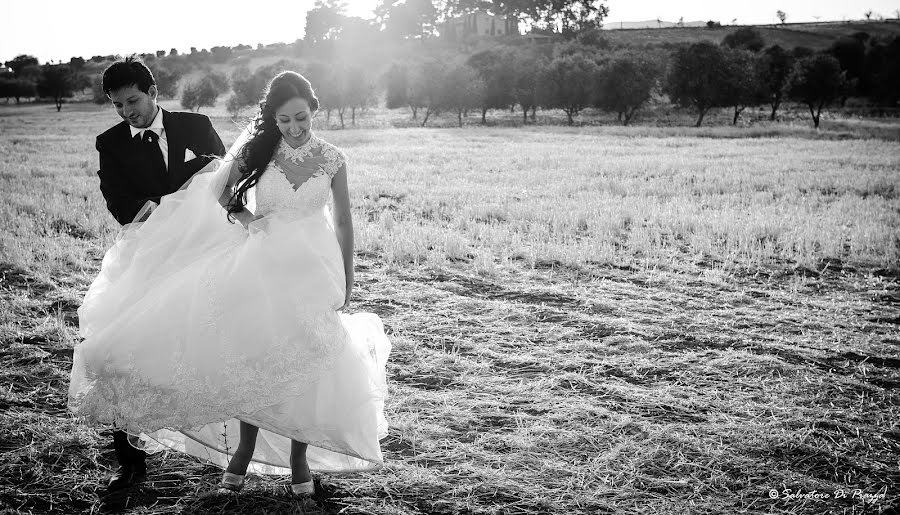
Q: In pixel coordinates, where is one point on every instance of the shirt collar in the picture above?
(156, 125)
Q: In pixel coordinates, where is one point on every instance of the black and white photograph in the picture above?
(450, 257)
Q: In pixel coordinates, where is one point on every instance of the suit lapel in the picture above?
(175, 139)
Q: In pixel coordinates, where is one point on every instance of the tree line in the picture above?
(586, 72)
(742, 72)
(326, 23)
(581, 71)
(738, 73)
(27, 78)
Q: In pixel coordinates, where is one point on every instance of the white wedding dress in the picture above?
(195, 323)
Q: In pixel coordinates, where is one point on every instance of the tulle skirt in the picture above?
(194, 324)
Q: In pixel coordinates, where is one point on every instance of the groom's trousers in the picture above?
(125, 453)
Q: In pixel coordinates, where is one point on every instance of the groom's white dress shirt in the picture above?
(156, 126)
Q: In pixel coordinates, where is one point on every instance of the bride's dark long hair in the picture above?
(255, 155)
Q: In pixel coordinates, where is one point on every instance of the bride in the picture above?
(228, 341)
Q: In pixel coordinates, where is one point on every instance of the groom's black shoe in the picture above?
(133, 467)
(126, 476)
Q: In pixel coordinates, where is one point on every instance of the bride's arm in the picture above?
(343, 225)
(233, 177)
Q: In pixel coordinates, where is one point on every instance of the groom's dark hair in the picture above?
(129, 72)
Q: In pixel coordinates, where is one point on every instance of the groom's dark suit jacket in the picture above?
(128, 178)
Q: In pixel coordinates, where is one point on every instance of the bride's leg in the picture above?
(243, 454)
(299, 467)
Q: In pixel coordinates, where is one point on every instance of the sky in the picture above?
(103, 27)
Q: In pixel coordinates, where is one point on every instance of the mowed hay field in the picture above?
(584, 320)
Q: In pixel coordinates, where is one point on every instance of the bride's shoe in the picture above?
(303, 490)
(231, 482)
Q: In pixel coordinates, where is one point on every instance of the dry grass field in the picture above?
(585, 320)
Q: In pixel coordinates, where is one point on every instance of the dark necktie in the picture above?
(154, 154)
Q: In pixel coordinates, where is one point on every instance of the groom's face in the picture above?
(134, 106)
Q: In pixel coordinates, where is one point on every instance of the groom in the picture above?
(152, 153)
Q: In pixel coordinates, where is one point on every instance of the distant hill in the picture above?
(650, 24)
(817, 36)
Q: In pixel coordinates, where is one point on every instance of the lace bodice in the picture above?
(298, 178)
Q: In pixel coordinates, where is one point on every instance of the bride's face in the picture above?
(294, 120)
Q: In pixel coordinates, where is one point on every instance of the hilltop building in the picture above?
(479, 23)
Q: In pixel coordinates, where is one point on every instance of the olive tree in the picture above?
(202, 93)
(567, 83)
(697, 77)
(625, 83)
(58, 82)
(816, 81)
